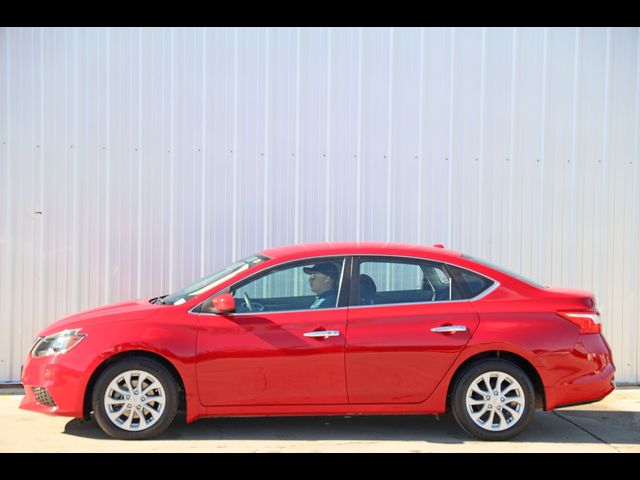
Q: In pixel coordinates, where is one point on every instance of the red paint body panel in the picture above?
(386, 359)
(393, 357)
(168, 332)
(264, 359)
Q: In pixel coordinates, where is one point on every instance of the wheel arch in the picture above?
(86, 408)
(514, 358)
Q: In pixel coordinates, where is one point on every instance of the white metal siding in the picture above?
(157, 155)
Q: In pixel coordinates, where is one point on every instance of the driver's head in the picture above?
(322, 277)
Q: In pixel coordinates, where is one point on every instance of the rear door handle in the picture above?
(322, 334)
(450, 329)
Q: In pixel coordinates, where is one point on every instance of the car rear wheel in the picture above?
(493, 400)
(134, 399)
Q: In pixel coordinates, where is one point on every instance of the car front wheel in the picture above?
(134, 399)
(493, 400)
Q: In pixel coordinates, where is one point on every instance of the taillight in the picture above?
(589, 322)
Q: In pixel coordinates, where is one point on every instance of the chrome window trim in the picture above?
(438, 302)
(495, 285)
(344, 263)
(342, 272)
(272, 313)
(483, 294)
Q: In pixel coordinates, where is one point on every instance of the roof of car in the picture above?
(358, 248)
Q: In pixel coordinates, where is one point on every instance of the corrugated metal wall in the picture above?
(135, 160)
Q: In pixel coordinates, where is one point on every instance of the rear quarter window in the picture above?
(517, 276)
(471, 283)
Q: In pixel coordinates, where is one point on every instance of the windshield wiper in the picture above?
(158, 300)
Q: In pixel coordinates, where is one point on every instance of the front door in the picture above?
(284, 345)
(393, 355)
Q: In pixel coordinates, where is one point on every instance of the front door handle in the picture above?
(450, 329)
(322, 334)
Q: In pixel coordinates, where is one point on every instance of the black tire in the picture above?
(167, 413)
(459, 405)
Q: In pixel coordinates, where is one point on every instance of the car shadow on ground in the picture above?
(560, 426)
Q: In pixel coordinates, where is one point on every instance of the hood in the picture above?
(117, 312)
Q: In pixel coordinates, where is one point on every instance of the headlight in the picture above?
(58, 343)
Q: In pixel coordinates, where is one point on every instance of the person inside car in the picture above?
(323, 281)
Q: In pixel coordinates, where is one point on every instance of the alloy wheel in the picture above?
(134, 400)
(495, 401)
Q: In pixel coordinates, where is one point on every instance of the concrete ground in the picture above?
(612, 425)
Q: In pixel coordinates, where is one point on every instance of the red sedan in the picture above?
(329, 329)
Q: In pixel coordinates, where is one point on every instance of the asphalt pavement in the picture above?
(611, 425)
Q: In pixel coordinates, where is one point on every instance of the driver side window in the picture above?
(296, 286)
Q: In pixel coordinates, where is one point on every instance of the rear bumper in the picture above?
(588, 391)
(591, 378)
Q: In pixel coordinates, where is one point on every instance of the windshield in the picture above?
(209, 282)
(503, 270)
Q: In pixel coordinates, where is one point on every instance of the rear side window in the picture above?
(384, 281)
(472, 284)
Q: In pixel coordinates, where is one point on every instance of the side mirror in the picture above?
(224, 303)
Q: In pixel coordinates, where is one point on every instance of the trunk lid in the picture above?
(571, 296)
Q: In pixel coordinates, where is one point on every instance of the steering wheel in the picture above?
(247, 301)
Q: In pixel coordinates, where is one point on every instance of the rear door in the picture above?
(407, 323)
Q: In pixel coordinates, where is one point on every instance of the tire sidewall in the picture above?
(165, 378)
(463, 383)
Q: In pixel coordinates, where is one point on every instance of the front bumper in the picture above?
(53, 386)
